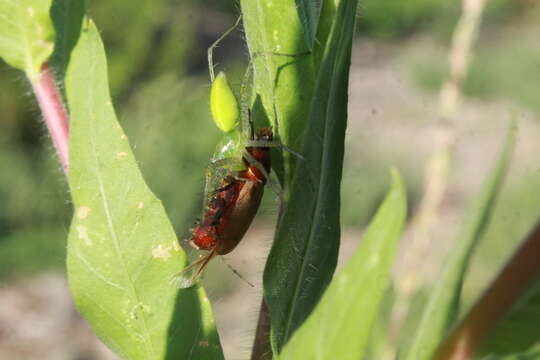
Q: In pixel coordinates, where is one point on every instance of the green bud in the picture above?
(223, 104)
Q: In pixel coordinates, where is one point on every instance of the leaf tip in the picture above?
(397, 181)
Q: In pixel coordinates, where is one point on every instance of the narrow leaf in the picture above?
(284, 76)
(26, 34)
(339, 327)
(122, 250)
(67, 16)
(304, 255)
(309, 11)
(442, 305)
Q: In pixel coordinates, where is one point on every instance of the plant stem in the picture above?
(503, 292)
(261, 346)
(54, 112)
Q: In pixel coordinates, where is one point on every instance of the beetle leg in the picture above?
(219, 207)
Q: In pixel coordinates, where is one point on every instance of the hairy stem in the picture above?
(54, 112)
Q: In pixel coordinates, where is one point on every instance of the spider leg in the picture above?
(215, 44)
(275, 143)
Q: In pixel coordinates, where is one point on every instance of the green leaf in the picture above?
(304, 255)
(309, 11)
(340, 325)
(26, 34)
(442, 305)
(122, 250)
(284, 75)
(518, 331)
(67, 16)
(533, 355)
(380, 342)
(328, 13)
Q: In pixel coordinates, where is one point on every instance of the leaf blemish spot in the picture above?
(162, 252)
(140, 205)
(121, 155)
(138, 310)
(83, 212)
(83, 234)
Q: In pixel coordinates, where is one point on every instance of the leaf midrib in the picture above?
(322, 178)
(266, 49)
(149, 348)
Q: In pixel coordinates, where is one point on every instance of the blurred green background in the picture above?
(159, 85)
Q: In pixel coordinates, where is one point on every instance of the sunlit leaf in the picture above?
(122, 250)
(284, 71)
(304, 255)
(26, 34)
(340, 325)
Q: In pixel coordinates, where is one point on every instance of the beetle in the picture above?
(231, 208)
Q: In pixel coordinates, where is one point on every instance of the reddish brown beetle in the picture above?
(231, 208)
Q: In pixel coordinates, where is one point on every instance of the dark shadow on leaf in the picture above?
(67, 16)
(205, 344)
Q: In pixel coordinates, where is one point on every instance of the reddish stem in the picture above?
(54, 112)
(507, 288)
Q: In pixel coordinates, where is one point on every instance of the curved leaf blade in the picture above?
(340, 325)
(283, 73)
(309, 12)
(442, 306)
(67, 16)
(122, 250)
(26, 34)
(304, 255)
